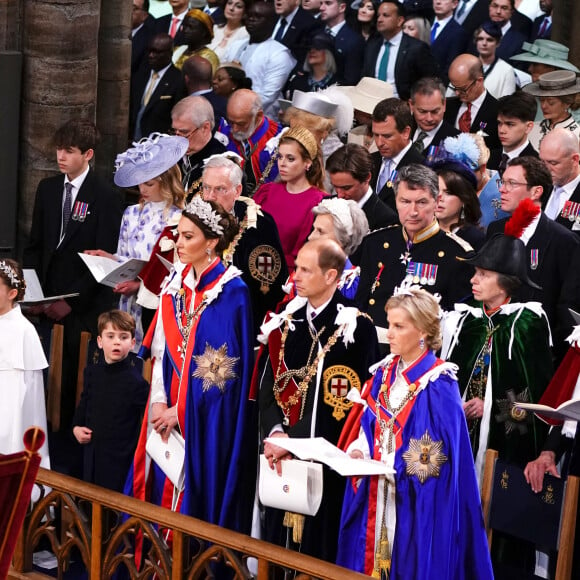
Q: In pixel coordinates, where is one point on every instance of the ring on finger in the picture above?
(275, 460)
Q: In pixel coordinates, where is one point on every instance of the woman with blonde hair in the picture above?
(300, 187)
(409, 416)
(150, 165)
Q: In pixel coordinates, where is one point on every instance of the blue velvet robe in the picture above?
(220, 420)
(439, 531)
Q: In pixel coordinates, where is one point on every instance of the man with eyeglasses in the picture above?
(155, 88)
(257, 251)
(473, 109)
(193, 118)
(549, 245)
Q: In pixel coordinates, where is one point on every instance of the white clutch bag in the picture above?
(169, 456)
(298, 489)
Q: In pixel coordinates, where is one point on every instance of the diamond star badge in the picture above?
(215, 367)
(424, 457)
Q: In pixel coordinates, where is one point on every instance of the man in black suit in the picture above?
(471, 14)
(391, 128)
(198, 77)
(142, 29)
(474, 108)
(395, 57)
(73, 212)
(428, 107)
(349, 45)
(448, 38)
(350, 170)
(515, 120)
(193, 119)
(542, 26)
(559, 151)
(154, 90)
(549, 246)
(171, 23)
(294, 27)
(503, 13)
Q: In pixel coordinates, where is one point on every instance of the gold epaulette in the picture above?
(463, 243)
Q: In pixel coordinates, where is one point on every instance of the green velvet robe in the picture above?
(520, 368)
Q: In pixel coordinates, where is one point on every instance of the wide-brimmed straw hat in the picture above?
(367, 94)
(558, 83)
(505, 255)
(149, 158)
(547, 52)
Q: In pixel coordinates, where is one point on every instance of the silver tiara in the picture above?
(11, 273)
(202, 209)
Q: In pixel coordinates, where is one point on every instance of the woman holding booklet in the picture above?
(426, 520)
(202, 350)
(151, 166)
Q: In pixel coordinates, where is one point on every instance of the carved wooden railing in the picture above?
(103, 527)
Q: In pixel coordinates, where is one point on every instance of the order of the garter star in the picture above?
(424, 457)
(215, 367)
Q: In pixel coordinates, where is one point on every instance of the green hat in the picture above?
(546, 52)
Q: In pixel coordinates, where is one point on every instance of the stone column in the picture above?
(113, 82)
(59, 42)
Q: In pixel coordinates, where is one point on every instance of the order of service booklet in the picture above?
(319, 449)
(110, 272)
(570, 410)
(34, 294)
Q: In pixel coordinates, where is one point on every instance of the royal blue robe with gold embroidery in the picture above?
(439, 531)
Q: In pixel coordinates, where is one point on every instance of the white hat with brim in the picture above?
(367, 94)
(546, 52)
(149, 158)
(558, 83)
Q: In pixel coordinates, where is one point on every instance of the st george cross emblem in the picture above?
(265, 264)
(337, 381)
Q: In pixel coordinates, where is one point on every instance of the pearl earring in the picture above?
(422, 343)
(208, 252)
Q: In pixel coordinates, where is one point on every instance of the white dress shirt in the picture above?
(395, 43)
(559, 196)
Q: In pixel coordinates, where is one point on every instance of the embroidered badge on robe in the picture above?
(338, 380)
(513, 417)
(424, 457)
(265, 265)
(215, 367)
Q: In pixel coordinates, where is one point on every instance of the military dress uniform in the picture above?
(314, 352)
(431, 261)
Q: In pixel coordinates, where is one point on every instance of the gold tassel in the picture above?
(296, 522)
(382, 566)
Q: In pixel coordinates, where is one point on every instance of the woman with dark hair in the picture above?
(229, 37)
(366, 19)
(197, 33)
(423, 517)
(290, 201)
(502, 348)
(202, 347)
(499, 77)
(458, 208)
(230, 77)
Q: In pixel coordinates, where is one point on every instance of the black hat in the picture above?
(322, 41)
(492, 28)
(505, 255)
